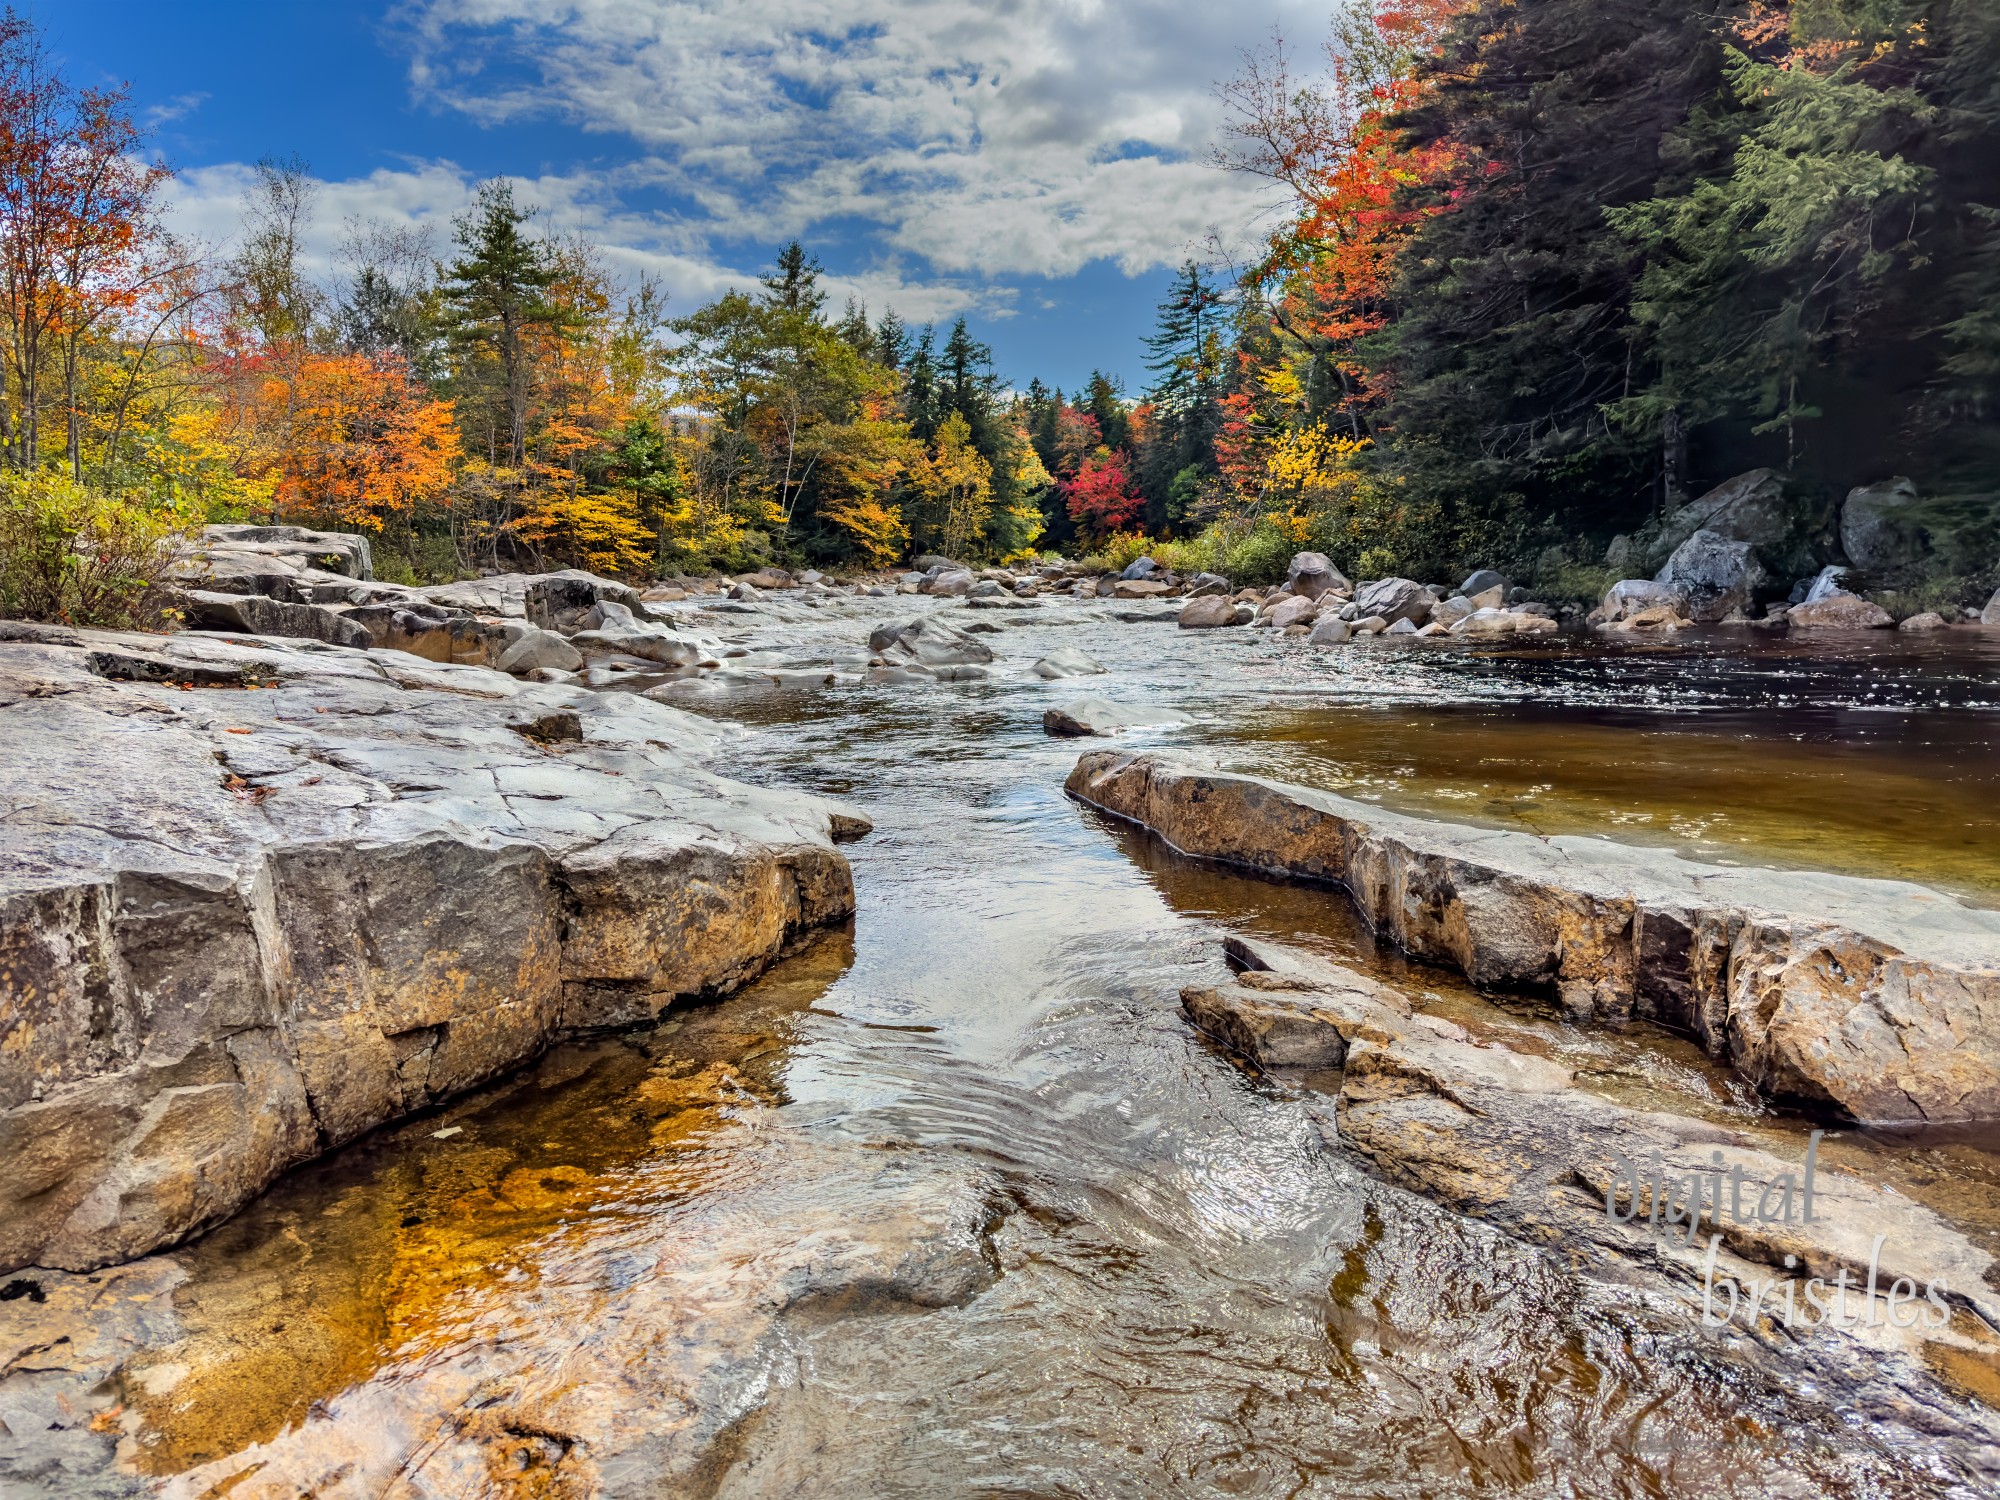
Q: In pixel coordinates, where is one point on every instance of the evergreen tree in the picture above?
(922, 405)
(1513, 332)
(496, 293)
(1187, 361)
(795, 287)
(1104, 401)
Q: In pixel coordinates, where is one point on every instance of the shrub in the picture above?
(77, 555)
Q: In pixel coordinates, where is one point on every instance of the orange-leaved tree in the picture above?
(346, 439)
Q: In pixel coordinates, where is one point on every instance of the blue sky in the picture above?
(1035, 164)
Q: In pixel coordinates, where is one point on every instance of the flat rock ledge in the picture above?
(1879, 998)
(258, 897)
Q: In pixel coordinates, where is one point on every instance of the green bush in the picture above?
(75, 555)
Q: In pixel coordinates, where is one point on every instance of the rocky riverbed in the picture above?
(1079, 1165)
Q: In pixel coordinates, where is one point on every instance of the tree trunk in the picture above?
(1673, 458)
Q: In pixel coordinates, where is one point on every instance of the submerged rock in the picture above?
(1067, 661)
(1516, 1139)
(927, 641)
(1092, 716)
(630, 1348)
(1877, 997)
(240, 927)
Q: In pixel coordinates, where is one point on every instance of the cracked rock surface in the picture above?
(258, 897)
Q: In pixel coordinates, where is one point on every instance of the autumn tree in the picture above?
(1099, 496)
(348, 440)
(78, 236)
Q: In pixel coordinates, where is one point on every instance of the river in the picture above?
(1190, 1288)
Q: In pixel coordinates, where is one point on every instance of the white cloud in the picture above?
(205, 205)
(177, 108)
(999, 138)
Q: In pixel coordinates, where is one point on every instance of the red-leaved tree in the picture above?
(1100, 496)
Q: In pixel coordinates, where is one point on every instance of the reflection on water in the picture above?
(1900, 795)
(1199, 1294)
(309, 1288)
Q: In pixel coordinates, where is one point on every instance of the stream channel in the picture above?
(1189, 1287)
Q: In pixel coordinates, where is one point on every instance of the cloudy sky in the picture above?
(1036, 164)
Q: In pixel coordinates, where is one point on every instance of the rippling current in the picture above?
(1198, 1292)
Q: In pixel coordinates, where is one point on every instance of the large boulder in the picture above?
(1828, 581)
(1482, 579)
(1141, 588)
(537, 650)
(1140, 567)
(1294, 611)
(1749, 508)
(1207, 583)
(1629, 596)
(240, 928)
(1395, 599)
(1840, 611)
(954, 584)
(1330, 630)
(1715, 574)
(1448, 612)
(928, 642)
(1313, 574)
(563, 601)
(1876, 529)
(346, 553)
(1208, 612)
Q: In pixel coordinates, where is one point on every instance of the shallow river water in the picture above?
(1195, 1292)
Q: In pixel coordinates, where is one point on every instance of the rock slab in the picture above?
(257, 897)
(1878, 998)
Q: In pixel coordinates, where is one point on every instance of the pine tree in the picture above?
(496, 292)
(795, 288)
